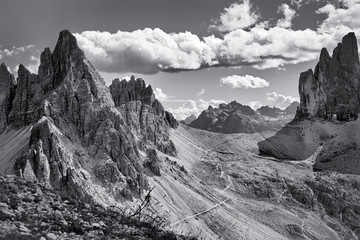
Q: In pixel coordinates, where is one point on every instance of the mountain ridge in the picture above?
(68, 103)
(237, 118)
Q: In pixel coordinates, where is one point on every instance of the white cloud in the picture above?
(160, 95)
(243, 41)
(340, 21)
(281, 101)
(17, 50)
(145, 51)
(193, 107)
(289, 14)
(255, 105)
(237, 16)
(246, 82)
(201, 92)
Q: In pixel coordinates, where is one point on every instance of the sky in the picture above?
(194, 53)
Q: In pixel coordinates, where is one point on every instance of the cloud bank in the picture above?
(243, 40)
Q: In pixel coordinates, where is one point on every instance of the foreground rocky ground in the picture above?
(30, 211)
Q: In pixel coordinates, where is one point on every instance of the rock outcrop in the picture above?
(136, 90)
(332, 89)
(79, 129)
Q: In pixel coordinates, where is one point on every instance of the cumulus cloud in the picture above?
(237, 16)
(255, 105)
(289, 14)
(145, 51)
(193, 107)
(244, 40)
(201, 92)
(160, 95)
(246, 82)
(341, 20)
(16, 50)
(281, 101)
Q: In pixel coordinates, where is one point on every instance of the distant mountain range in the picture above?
(237, 118)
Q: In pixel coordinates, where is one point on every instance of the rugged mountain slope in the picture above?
(81, 141)
(331, 93)
(235, 118)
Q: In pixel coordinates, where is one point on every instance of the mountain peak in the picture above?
(324, 55)
(349, 57)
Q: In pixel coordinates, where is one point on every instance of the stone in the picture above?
(5, 214)
(51, 236)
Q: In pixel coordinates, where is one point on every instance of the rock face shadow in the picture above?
(293, 142)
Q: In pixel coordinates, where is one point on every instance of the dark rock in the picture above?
(5, 214)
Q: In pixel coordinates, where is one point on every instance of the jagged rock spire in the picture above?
(333, 88)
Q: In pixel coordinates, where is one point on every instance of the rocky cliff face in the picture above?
(7, 92)
(332, 90)
(233, 118)
(81, 140)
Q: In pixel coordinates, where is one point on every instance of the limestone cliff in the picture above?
(332, 89)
